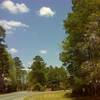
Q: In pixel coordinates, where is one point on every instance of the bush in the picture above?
(38, 87)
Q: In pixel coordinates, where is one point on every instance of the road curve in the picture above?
(15, 95)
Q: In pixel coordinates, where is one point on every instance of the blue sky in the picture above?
(34, 27)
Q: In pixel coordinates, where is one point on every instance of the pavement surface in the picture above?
(16, 95)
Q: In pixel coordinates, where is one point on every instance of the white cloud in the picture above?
(22, 8)
(46, 11)
(14, 7)
(43, 51)
(8, 25)
(12, 50)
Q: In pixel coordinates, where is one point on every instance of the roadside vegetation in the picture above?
(11, 69)
(48, 96)
(42, 77)
(57, 95)
(81, 47)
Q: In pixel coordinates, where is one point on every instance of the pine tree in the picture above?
(82, 44)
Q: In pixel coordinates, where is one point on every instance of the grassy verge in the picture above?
(49, 96)
(57, 96)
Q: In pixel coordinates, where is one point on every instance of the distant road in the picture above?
(15, 96)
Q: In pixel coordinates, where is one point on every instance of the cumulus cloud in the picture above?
(46, 11)
(13, 50)
(43, 51)
(8, 25)
(14, 7)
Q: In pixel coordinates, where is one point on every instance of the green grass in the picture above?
(49, 96)
(60, 95)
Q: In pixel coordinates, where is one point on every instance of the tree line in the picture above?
(42, 77)
(39, 77)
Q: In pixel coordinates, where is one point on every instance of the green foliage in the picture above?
(38, 87)
(7, 65)
(12, 69)
(37, 75)
(82, 44)
(56, 78)
(20, 73)
(42, 77)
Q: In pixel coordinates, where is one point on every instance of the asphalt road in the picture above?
(15, 96)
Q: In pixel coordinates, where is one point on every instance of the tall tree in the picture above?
(19, 72)
(82, 43)
(38, 78)
(6, 64)
(2, 50)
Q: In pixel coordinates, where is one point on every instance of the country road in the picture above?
(15, 96)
